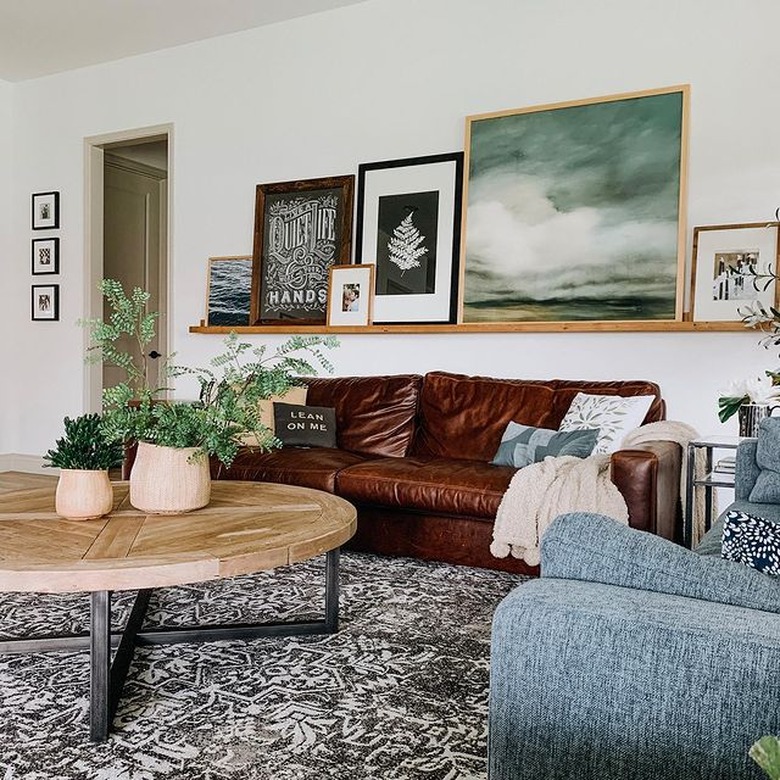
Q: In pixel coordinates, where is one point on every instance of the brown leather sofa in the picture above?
(414, 458)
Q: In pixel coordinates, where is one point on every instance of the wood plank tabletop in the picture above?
(247, 527)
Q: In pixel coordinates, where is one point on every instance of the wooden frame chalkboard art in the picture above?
(302, 228)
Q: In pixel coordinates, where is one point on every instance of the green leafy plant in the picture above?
(84, 446)
(766, 753)
(227, 408)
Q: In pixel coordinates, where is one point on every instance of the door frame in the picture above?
(94, 156)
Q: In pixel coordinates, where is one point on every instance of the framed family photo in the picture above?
(302, 228)
(732, 266)
(350, 295)
(45, 302)
(45, 210)
(45, 256)
(574, 211)
(229, 290)
(408, 226)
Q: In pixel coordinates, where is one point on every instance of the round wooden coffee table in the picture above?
(247, 527)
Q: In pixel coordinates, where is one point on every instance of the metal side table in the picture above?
(709, 480)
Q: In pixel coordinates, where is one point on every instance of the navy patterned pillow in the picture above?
(751, 540)
(522, 444)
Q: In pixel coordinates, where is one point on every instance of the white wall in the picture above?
(7, 258)
(385, 79)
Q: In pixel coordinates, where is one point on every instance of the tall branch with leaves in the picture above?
(230, 388)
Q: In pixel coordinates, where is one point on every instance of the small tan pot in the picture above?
(83, 495)
(163, 480)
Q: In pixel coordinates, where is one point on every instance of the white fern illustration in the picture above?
(404, 245)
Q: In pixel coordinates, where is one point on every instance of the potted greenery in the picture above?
(84, 457)
(766, 753)
(182, 435)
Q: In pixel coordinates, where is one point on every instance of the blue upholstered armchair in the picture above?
(633, 659)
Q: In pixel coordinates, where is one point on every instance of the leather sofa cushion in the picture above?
(438, 485)
(375, 415)
(465, 416)
(313, 468)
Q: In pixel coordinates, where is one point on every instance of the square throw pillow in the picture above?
(767, 487)
(524, 444)
(295, 395)
(752, 541)
(613, 415)
(305, 426)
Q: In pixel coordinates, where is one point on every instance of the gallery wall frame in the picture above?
(574, 211)
(408, 226)
(351, 294)
(45, 256)
(302, 228)
(733, 265)
(45, 210)
(228, 290)
(45, 302)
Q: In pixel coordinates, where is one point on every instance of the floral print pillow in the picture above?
(613, 415)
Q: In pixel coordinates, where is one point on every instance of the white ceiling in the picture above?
(41, 37)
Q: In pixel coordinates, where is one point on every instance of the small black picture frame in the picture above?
(45, 256)
(45, 300)
(45, 210)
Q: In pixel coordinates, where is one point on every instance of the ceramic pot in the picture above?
(169, 480)
(750, 415)
(83, 495)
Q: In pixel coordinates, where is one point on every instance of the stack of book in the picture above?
(726, 465)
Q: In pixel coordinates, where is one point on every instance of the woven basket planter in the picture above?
(83, 494)
(169, 480)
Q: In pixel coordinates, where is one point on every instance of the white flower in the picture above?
(737, 388)
(761, 390)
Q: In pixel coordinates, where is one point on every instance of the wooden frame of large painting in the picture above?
(574, 211)
(302, 228)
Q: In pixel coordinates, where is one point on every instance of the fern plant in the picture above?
(84, 446)
(227, 408)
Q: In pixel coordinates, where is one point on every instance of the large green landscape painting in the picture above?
(574, 211)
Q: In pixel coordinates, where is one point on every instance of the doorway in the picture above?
(128, 235)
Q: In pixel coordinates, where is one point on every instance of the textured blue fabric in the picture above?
(747, 470)
(595, 548)
(767, 487)
(596, 682)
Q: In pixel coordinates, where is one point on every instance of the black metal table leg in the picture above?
(100, 664)
(332, 590)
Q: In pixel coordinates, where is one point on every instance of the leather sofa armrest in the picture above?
(648, 476)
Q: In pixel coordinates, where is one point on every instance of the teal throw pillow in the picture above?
(523, 444)
(767, 487)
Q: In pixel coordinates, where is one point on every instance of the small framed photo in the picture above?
(229, 290)
(350, 294)
(45, 256)
(45, 302)
(727, 269)
(408, 225)
(45, 210)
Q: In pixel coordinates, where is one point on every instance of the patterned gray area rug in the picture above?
(399, 693)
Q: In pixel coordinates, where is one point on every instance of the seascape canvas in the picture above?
(573, 211)
(230, 282)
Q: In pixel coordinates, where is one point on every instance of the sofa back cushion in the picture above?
(465, 416)
(375, 415)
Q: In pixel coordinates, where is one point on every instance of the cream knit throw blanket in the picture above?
(540, 492)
